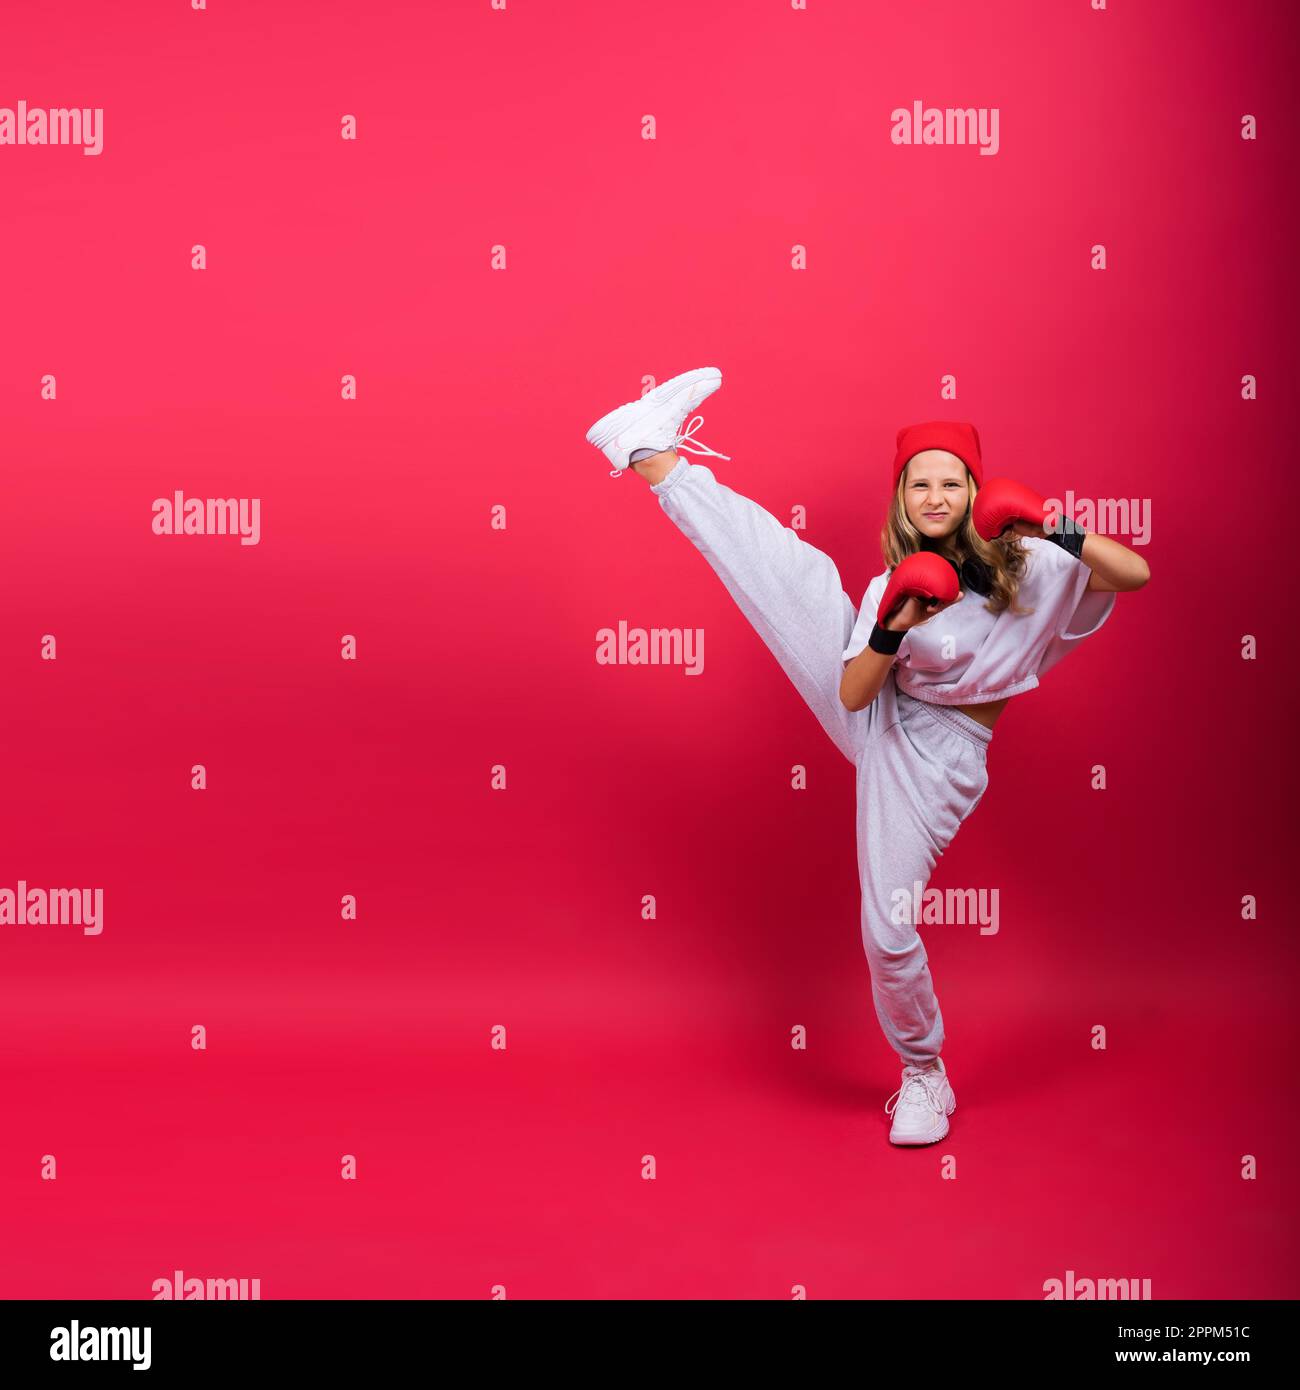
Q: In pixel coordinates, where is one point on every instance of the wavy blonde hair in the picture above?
(1005, 559)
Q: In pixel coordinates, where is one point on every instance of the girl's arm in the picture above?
(864, 678)
(1115, 568)
(865, 675)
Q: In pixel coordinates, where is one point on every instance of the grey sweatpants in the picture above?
(920, 767)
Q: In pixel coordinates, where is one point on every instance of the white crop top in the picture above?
(966, 655)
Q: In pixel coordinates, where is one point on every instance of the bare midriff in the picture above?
(985, 714)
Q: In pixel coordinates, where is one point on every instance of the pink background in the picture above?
(628, 259)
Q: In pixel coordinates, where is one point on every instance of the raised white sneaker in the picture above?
(655, 421)
(921, 1106)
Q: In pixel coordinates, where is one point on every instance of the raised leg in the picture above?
(789, 590)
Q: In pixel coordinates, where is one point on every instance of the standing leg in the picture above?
(789, 590)
(918, 781)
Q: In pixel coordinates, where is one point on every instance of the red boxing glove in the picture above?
(924, 575)
(1000, 502)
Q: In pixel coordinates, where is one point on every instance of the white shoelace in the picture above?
(925, 1082)
(685, 441)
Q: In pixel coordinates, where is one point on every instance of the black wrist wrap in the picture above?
(884, 641)
(1068, 535)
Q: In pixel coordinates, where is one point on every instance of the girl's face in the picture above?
(935, 492)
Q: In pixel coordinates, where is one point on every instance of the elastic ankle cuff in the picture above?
(674, 476)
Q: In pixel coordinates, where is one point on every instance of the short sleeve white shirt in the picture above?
(966, 655)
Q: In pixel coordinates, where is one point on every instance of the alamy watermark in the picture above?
(1107, 516)
(1077, 1288)
(53, 125)
(53, 907)
(179, 515)
(924, 907)
(192, 1288)
(947, 125)
(655, 646)
(77, 1343)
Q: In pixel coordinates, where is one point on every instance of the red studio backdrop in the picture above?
(501, 255)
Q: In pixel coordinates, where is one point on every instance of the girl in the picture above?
(908, 696)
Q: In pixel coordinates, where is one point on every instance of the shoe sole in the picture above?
(609, 424)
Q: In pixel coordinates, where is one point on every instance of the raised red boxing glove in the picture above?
(924, 575)
(1003, 500)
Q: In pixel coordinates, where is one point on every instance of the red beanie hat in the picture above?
(960, 439)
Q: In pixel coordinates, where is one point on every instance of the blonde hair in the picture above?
(1004, 559)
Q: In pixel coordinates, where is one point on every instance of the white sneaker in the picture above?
(921, 1106)
(654, 421)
